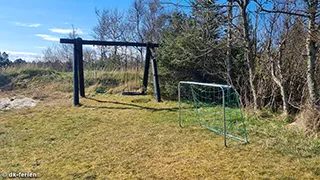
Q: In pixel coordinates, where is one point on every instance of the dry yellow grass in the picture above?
(126, 137)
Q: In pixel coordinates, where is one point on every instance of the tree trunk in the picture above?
(285, 106)
(279, 80)
(229, 43)
(248, 53)
(311, 50)
(283, 88)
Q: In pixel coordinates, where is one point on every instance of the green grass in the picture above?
(133, 137)
(123, 137)
(272, 134)
(212, 117)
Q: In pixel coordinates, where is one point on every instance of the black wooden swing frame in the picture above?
(78, 75)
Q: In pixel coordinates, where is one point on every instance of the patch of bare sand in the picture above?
(16, 103)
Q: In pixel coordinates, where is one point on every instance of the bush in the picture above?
(5, 82)
(36, 72)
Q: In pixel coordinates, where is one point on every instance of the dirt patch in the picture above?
(16, 103)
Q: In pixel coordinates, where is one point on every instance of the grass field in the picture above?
(121, 137)
(126, 137)
(212, 118)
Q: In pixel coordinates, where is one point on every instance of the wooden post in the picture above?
(75, 74)
(81, 76)
(156, 79)
(146, 70)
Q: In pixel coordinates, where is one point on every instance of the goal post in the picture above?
(214, 106)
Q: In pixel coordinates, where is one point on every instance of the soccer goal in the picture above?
(215, 107)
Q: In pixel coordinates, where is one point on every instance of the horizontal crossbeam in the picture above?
(107, 43)
(205, 84)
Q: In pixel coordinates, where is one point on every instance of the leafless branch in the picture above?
(279, 11)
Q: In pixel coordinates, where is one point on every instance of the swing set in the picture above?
(78, 75)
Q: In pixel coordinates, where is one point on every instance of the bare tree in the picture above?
(136, 16)
(100, 31)
(111, 26)
(65, 51)
(154, 20)
(89, 58)
(276, 66)
(229, 39)
(249, 54)
(310, 11)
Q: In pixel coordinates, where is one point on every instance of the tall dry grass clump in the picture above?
(309, 118)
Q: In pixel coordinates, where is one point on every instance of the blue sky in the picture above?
(29, 26)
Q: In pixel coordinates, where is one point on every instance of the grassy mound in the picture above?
(14, 78)
(96, 81)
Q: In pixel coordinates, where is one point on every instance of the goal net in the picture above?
(213, 106)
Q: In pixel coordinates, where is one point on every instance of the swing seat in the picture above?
(128, 93)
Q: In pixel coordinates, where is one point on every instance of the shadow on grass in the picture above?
(131, 106)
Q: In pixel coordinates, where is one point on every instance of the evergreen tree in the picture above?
(4, 59)
(192, 47)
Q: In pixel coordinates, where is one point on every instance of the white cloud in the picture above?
(26, 25)
(20, 53)
(48, 37)
(65, 31)
(34, 25)
(28, 56)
